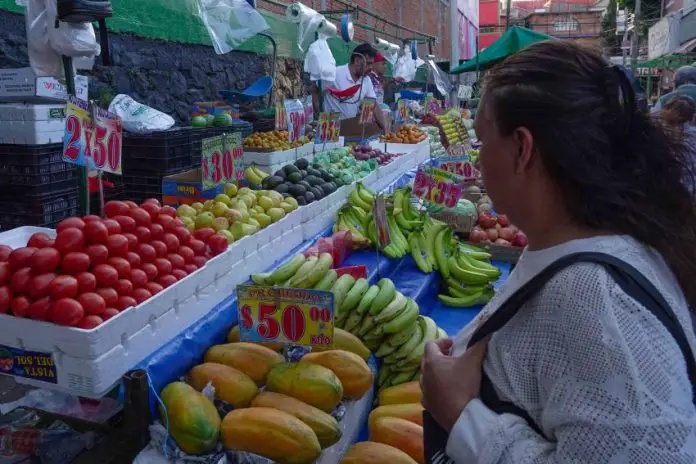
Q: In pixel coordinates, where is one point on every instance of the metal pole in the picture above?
(507, 14)
(636, 34)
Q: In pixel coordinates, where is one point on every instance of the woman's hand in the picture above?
(449, 383)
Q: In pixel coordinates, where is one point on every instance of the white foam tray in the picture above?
(276, 157)
(329, 146)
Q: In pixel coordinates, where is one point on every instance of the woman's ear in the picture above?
(524, 143)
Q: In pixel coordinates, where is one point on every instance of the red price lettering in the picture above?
(214, 170)
(206, 172)
(453, 195)
(247, 322)
(421, 184)
(293, 323)
(100, 150)
(325, 315)
(467, 170)
(114, 154)
(314, 313)
(268, 327)
(227, 165)
(441, 191)
(72, 151)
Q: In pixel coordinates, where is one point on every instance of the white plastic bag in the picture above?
(320, 62)
(230, 23)
(405, 67)
(440, 78)
(70, 39)
(43, 59)
(139, 118)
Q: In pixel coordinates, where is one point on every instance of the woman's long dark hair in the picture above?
(615, 168)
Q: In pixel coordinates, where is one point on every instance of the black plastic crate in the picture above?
(158, 166)
(139, 196)
(14, 185)
(10, 221)
(163, 139)
(39, 204)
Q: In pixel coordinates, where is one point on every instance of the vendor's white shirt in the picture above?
(600, 375)
(350, 107)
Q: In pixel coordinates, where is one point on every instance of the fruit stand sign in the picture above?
(308, 108)
(295, 119)
(28, 364)
(291, 316)
(281, 119)
(212, 151)
(326, 130)
(401, 111)
(93, 137)
(439, 186)
(367, 111)
(432, 105)
(232, 158)
(381, 224)
(460, 165)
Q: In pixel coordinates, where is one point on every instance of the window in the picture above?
(568, 24)
(487, 30)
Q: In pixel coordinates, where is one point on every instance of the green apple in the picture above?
(185, 211)
(266, 203)
(287, 207)
(258, 209)
(253, 222)
(249, 229)
(221, 223)
(205, 219)
(208, 205)
(263, 219)
(245, 215)
(245, 191)
(189, 223)
(219, 209)
(198, 206)
(237, 230)
(228, 235)
(231, 190)
(222, 198)
(276, 214)
(291, 201)
(233, 216)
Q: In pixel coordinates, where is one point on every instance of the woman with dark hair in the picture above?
(679, 114)
(587, 353)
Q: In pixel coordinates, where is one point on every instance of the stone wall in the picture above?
(164, 75)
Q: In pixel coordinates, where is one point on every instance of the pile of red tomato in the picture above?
(97, 267)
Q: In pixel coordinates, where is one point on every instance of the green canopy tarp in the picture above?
(515, 39)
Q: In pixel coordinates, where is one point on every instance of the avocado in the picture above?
(305, 184)
(323, 173)
(295, 177)
(309, 197)
(272, 182)
(289, 169)
(318, 192)
(303, 173)
(326, 188)
(280, 173)
(313, 172)
(301, 201)
(282, 188)
(314, 180)
(297, 190)
(302, 163)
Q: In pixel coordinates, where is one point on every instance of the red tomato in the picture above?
(172, 242)
(98, 254)
(167, 222)
(200, 261)
(20, 306)
(86, 282)
(115, 208)
(96, 232)
(110, 295)
(218, 244)
(74, 263)
(179, 273)
(5, 273)
(139, 278)
(40, 284)
(183, 234)
(91, 218)
(19, 258)
(70, 239)
(5, 298)
(127, 223)
(154, 287)
(176, 260)
(5, 253)
(124, 287)
(160, 248)
(125, 302)
(121, 265)
(147, 252)
(113, 226)
(152, 209)
(190, 268)
(204, 234)
(154, 201)
(187, 253)
(40, 240)
(141, 294)
(163, 266)
(75, 222)
(90, 322)
(134, 259)
(178, 223)
(132, 241)
(21, 280)
(40, 309)
(151, 270)
(63, 286)
(45, 260)
(198, 247)
(169, 211)
(67, 311)
(131, 204)
(106, 275)
(93, 303)
(166, 280)
(117, 245)
(143, 234)
(156, 232)
(141, 216)
(109, 313)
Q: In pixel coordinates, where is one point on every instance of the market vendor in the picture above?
(356, 72)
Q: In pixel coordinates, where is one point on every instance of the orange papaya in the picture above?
(401, 434)
(370, 452)
(348, 342)
(254, 360)
(311, 383)
(351, 370)
(412, 412)
(192, 418)
(231, 385)
(409, 392)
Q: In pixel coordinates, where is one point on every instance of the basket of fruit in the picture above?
(407, 134)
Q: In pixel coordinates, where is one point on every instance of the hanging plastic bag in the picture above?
(309, 23)
(70, 39)
(139, 118)
(230, 23)
(440, 78)
(43, 59)
(405, 67)
(320, 62)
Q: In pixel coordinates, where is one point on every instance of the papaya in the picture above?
(401, 434)
(311, 383)
(231, 385)
(325, 426)
(233, 337)
(270, 433)
(369, 452)
(412, 412)
(192, 418)
(409, 392)
(351, 370)
(348, 342)
(254, 360)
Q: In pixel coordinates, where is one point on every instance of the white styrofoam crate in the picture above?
(31, 124)
(318, 148)
(318, 223)
(398, 147)
(277, 157)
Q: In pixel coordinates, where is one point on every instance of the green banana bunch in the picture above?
(340, 290)
(362, 197)
(407, 219)
(311, 273)
(419, 251)
(287, 270)
(469, 281)
(353, 219)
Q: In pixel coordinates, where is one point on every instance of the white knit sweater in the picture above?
(600, 375)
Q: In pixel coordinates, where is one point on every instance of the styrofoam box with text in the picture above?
(276, 157)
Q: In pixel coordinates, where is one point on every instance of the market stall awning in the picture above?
(672, 61)
(515, 39)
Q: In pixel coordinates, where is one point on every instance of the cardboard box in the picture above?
(22, 85)
(352, 130)
(186, 188)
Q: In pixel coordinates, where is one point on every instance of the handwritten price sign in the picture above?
(281, 119)
(221, 160)
(440, 191)
(290, 316)
(367, 113)
(296, 119)
(308, 109)
(326, 130)
(401, 111)
(460, 165)
(92, 138)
